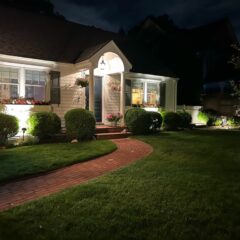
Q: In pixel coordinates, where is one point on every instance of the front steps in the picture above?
(106, 132)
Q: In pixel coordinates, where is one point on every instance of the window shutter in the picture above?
(162, 94)
(128, 92)
(55, 93)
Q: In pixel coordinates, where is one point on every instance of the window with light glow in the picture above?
(137, 93)
(9, 83)
(35, 84)
(152, 94)
(145, 93)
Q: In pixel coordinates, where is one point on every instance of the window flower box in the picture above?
(23, 101)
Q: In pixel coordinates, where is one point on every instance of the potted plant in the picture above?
(114, 118)
(82, 82)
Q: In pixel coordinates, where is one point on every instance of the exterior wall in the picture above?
(72, 96)
(171, 95)
(111, 95)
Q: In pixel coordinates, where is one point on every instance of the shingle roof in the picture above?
(36, 36)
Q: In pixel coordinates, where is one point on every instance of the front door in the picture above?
(97, 98)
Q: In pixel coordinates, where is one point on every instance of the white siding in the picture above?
(72, 96)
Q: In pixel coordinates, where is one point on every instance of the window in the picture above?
(145, 93)
(152, 94)
(35, 85)
(9, 83)
(137, 93)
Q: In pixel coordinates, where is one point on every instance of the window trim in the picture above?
(12, 84)
(145, 92)
(22, 79)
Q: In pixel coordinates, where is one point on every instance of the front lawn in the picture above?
(22, 161)
(188, 188)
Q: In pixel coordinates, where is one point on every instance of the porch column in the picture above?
(91, 89)
(122, 98)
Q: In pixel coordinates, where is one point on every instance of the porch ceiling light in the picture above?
(102, 64)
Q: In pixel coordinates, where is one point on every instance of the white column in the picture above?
(22, 82)
(145, 92)
(91, 89)
(122, 97)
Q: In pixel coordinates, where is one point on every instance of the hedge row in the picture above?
(80, 124)
(213, 118)
(140, 121)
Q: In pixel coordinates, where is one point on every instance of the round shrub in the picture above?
(80, 124)
(171, 121)
(217, 122)
(44, 124)
(233, 121)
(138, 121)
(156, 120)
(8, 127)
(185, 119)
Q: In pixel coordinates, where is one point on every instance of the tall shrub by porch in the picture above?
(80, 124)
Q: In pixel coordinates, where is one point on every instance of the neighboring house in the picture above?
(41, 59)
(219, 97)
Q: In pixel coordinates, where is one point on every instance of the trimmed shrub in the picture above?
(171, 121)
(44, 124)
(138, 121)
(209, 117)
(185, 119)
(217, 122)
(233, 121)
(203, 117)
(156, 119)
(80, 124)
(8, 127)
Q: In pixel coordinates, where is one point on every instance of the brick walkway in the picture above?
(19, 192)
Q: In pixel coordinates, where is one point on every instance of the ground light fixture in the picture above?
(23, 131)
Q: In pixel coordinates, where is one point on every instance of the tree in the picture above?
(235, 60)
(44, 7)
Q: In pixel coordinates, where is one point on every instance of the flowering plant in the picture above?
(82, 82)
(23, 101)
(114, 85)
(114, 117)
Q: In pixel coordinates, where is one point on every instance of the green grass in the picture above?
(22, 161)
(188, 188)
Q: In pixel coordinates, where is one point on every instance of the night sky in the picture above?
(113, 14)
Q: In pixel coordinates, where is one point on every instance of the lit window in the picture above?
(137, 96)
(35, 85)
(137, 93)
(9, 83)
(152, 94)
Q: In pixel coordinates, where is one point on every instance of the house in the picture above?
(42, 59)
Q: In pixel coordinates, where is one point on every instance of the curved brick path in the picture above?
(16, 193)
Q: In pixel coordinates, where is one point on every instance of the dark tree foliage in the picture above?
(158, 46)
(44, 7)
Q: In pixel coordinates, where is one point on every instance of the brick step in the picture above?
(113, 135)
(106, 129)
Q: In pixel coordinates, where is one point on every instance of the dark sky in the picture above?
(111, 14)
